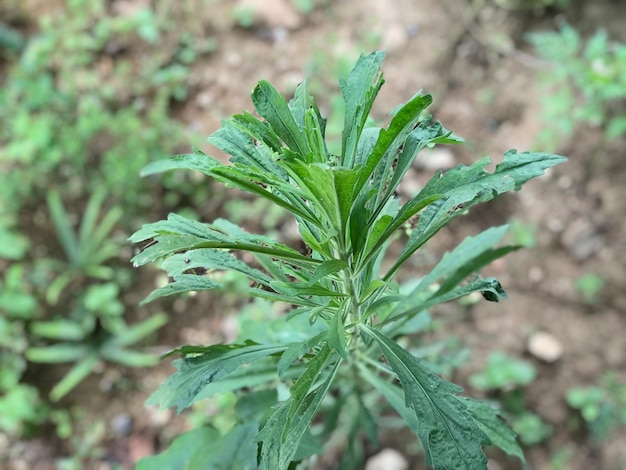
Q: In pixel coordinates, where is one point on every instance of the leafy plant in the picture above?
(21, 408)
(348, 356)
(89, 343)
(602, 406)
(587, 82)
(505, 377)
(503, 373)
(86, 250)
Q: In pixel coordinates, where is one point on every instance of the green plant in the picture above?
(530, 428)
(94, 328)
(21, 409)
(75, 108)
(590, 286)
(87, 343)
(587, 82)
(86, 250)
(343, 354)
(244, 16)
(602, 406)
(503, 373)
(506, 377)
(522, 233)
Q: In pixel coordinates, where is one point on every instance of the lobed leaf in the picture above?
(196, 372)
(465, 186)
(281, 435)
(446, 428)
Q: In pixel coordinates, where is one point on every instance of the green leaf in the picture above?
(58, 329)
(302, 288)
(79, 372)
(445, 426)
(273, 107)
(210, 259)
(490, 288)
(315, 137)
(359, 92)
(62, 352)
(204, 448)
(63, 226)
(318, 183)
(337, 335)
(465, 186)
(393, 394)
(182, 283)
(253, 406)
(295, 351)
(236, 450)
(280, 435)
(196, 372)
(392, 138)
(243, 178)
(259, 373)
(326, 268)
(178, 234)
(488, 419)
(142, 329)
(181, 450)
(465, 259)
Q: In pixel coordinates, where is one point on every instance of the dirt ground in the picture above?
(484, 81)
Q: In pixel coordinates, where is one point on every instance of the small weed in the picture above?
(587, 82)
(590, 287)
(602, 407)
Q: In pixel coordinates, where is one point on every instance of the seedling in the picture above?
(506, 377)
(348, 357)
(590, 286)
(602, 406)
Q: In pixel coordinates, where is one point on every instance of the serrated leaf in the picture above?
(196, 372)
(240, 177)
(465, 186)
(445, 426)
(281, 436)
(182, 283)
(462, 258)
(318, 183)
(392, 138)
(274, 108)
(499, 433)
(393, 394)
(178, 234)
(359, 92)
(489, 285)
(209, 259)
(295, 351)
(313, 369)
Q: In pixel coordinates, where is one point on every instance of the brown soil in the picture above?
(486, 90)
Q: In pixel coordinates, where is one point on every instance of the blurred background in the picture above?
(93, 90)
